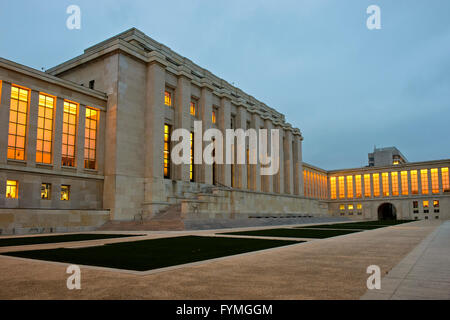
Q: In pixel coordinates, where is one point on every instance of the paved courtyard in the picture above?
(413, 258)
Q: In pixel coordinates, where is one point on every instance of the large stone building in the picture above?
(88, 142)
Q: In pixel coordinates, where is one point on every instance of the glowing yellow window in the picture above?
(426, 204)
(44, 137)
(333, 187)
(350, 207)
(424, 180)
(396, 162)
(385, 183)
(434, 180)
(193, 108)
(18, 123)
(168, 98)
(167, 151)
(65, 193)
(341, 187)
(12, 189)
(404, 177)
(376, 184)
(414, 182)
(394, 183)
(46, 191)
(445, 180)
(436, 203)
(90, 138)
(358, 186)
(69, 136)
(359, 206)
(214, 117)
(342, 207)
(367, 193)
(349, 186)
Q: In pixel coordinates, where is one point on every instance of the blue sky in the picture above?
(346, 87)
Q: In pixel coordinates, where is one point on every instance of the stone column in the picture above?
(441, 188)
(345, 187)
(57, 133)
(206, 109)
(80, 138)
(224, 120)
(182, 119)
(5, 103)
(289, 165)
(255, 175)
(419, 182)
(390, 183)
(430, 185)
(372, 187)
(154, 134)
(33, 110)
(409, 182)
(278, 185)
(241, 123)
(297, 166)
(267, 181)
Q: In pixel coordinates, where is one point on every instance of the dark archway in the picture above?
(387, 211)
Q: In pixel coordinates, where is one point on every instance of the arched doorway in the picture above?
(387, 211)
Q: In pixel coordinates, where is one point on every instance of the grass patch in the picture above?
(153, 254)
(23, 241)
(363, 225)
(294, 233)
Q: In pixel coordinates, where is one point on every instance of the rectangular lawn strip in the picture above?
(294, 233)
(23, 241)
(344, 227)
(151, 254)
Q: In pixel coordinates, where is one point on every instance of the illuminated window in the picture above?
(90, 138)
(191, 167)
(359, 206)
(342, 207)
(168, 98)
(167, 130)
(426, 204)
(349, 186)
(45, 129)
(193, 108)
(424, 180)
(376, 184)
(385, 183)
(65, 193)
(358, 186)
(69, 136)
(404, 177)
(341, 187)
(436, 203)
(367, 185)
(445, 180)
(12, 189)
(214, 117)
(414, 182)
(350, 207)
(333, 187)
(18, 123)
(394, 182)
(46, 191)
(434, 180)
(396, 162)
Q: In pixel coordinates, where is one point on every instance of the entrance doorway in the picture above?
(387, 211)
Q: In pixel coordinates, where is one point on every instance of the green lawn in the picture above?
(294, 233)
(23, 241)
(362, 225)
(153, 254)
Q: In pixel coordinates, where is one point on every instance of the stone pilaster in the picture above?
(241, 123)
(81, 132)
(267, 181)
(278, 186)
(224, 120)
(5, 104)
(206, 107)
(33, 110)
(182, 119)
(57, 133)
(255, 176)
(288, 165)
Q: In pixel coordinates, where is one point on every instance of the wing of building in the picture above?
(89, 142)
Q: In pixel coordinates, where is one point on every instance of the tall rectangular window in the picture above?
(405, 188)
(12, 189)
(90, 138)
(434, 180)
(445, 180)
(333, 188)
(44, 137)
(69, 137)
(168, 98)
(414, 182)
(18, 123)
(376, 184)
(349, 186)
(213, 117)
(358, 186)
(367, 188)
(193, 110)
(385, 183)
(341, 188)
(191, 166)
(65, 193)
(424, 181)
(394, 183)
(167, 130)
(46, 191)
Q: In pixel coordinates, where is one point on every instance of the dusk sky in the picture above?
(346, 87)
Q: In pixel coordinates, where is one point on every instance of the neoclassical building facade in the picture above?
(89, 141)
